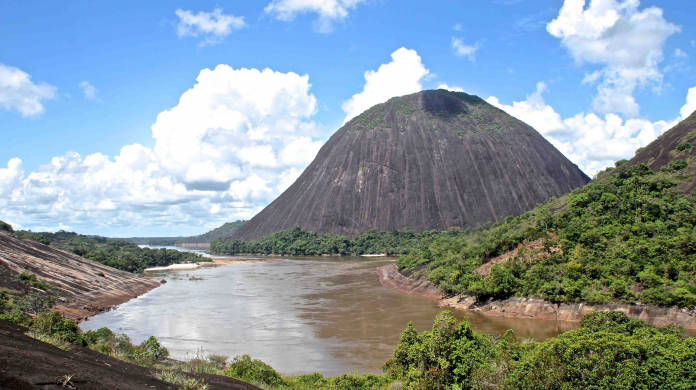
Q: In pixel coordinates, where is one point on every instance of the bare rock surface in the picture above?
(431, 160)
(391, 278)
(82, 287)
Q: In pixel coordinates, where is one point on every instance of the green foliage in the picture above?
(299, 242)
(55, 325)
(119, 254)
(684, 146)
(246, 369)
(447, 356)
(609, 351)
(154, 349)
(4, 226)
(31, 280)
(181, 380)
(628, 236)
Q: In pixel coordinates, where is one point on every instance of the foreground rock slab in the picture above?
(82, 287)
(26, 363)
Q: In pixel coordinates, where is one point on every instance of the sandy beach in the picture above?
(216, 262)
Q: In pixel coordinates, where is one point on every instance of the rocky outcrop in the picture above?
(81, 287)
(430, 160)
(535, 308)
(390, 277)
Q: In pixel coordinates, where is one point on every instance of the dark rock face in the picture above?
(431, 160)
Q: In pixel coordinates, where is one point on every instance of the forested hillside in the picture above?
(627, 236)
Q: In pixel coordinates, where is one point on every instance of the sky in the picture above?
(168, 118)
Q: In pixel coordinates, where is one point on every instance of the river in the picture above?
(300, 315)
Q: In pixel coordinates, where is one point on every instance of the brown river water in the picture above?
(300, 315)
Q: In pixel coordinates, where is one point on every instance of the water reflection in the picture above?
(299, 315)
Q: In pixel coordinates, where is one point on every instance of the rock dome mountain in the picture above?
(435, 159)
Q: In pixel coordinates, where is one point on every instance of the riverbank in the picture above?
(534, 308)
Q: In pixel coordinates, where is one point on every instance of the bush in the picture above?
(450, 353)
(31, 280)
(4, 226)
(154, 349)
(55, 325)
(609, 351)
(246, 369)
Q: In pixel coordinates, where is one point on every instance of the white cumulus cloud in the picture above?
(626, 41)
(463, 50)
(223, 152)
(328, 11)
(213, 26)
(89, 90)
(592, 141)
(18, 92)
(450, 88)
(401, 76)
(690, 106)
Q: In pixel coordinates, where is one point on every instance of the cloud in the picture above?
(450, 88)
(401, 76)
(18, 92)
(690, 106)
(89, 90)
(213, 26)
(679, 53)
(624, 40)
(463, 50)
(228, 146)
(592, 141)
(328, 11)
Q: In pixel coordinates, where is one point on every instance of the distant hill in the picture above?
(223, 231)
(431, 160)
(628, 236)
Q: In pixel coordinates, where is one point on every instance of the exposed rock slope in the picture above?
(678, 143)
(431, 160)
(82, 287)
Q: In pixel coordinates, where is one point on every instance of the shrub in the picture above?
(153, 348)
(30, 279)
(244, 368)
(55, 325)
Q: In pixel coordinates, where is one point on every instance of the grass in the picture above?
(182, 381)
(56, 342)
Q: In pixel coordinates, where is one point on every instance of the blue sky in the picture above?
(101, 136)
